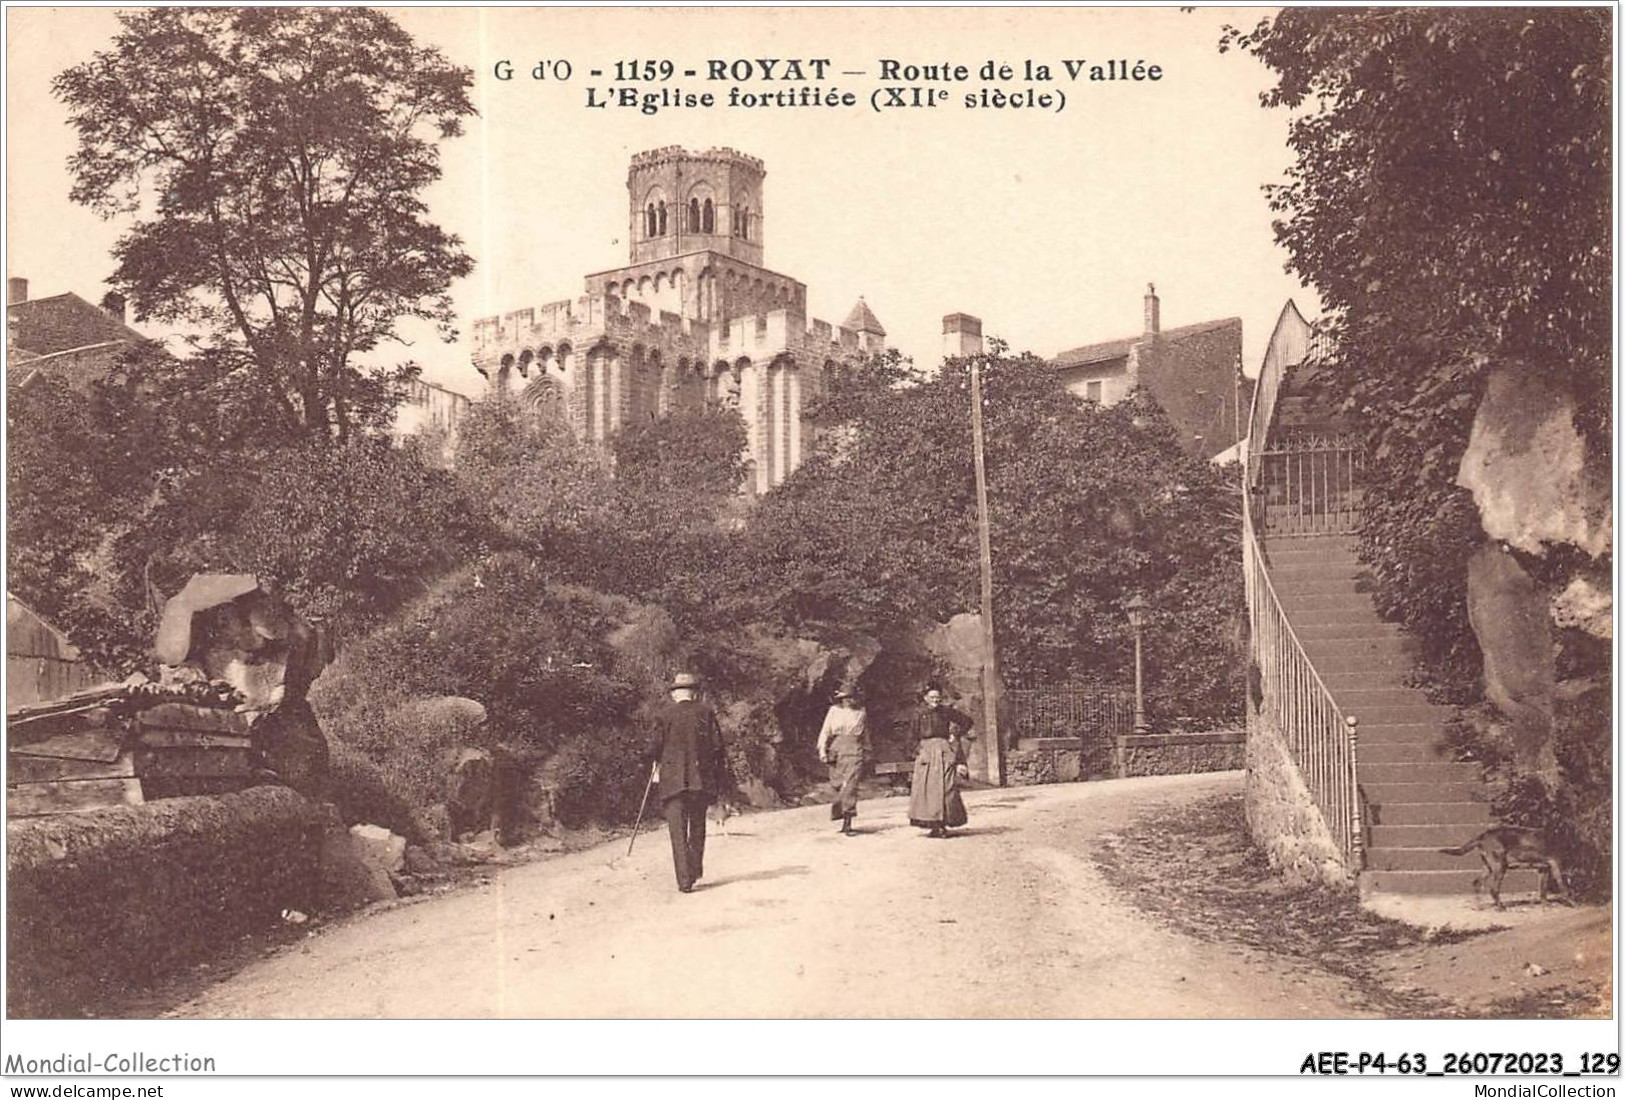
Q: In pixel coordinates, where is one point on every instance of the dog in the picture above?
(1514, 846)
(721, 810)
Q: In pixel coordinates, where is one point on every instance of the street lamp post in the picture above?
(1136, 619)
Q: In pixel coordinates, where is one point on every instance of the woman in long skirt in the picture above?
(843, 744)
(939, 764)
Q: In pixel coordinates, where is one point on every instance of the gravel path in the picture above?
(1009, 919)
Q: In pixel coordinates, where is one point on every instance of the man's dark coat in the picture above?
(687, 744)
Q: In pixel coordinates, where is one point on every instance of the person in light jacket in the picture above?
(843, 744)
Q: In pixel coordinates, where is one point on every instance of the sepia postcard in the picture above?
(1078, 539)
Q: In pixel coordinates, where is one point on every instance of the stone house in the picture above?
(64, 336)
(1193, 371)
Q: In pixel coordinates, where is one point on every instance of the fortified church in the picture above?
(694, 317)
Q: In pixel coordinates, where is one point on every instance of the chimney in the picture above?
(1153, 310)
(961, 335)
(16, 290)
(113, 303)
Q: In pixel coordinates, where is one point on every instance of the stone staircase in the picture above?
(1418, 799)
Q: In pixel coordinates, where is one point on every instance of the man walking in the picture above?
(688, 767)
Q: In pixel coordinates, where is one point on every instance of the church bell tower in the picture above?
(691, 202)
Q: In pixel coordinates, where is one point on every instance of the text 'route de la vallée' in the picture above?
(652, 85)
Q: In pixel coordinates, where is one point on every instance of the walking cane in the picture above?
(647, 787)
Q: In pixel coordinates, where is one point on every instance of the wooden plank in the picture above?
(193, 739)
(103, 745)
(29, 769)
(80, 701)
(188, 763)
(75, 720)
(183, 716)
(39, 799)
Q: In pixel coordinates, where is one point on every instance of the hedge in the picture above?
(103, 899)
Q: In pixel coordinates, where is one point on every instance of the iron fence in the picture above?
(1091, 716)
(1308, 485)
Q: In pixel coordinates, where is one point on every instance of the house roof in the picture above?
(1118, 349)
(863, 319)
(63, 322)
(1096, 353)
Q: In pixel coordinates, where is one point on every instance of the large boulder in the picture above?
(1537, 486)
(1511, 617)
(956, 649)
(1530, 472)
(234, 629)
(350, 874)
(380, 846)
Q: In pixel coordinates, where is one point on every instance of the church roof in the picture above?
(863, 319)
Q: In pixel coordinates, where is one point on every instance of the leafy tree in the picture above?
(1450, 203)
(673, 502)
(275, 159)
(539, 488)
(1088, 505)
(351, 532)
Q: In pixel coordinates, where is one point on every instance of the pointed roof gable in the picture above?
(863, 319)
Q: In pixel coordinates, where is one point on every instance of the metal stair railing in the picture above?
(1322, 741)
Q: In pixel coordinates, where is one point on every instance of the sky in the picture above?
(1046, 225)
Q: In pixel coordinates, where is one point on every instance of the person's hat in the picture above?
(685, 680)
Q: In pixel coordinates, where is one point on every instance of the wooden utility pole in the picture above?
(990, 671)
(1237, 384)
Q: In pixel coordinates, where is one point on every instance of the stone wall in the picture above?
(1184, 753)
(1281, 814)
(1062, 760)
(1029, 765)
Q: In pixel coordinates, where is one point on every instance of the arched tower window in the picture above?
(662, 219)
(694, 215)
(649, 221)
(709, 225)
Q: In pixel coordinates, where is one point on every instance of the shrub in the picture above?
(599, 777)
(365, 794)
(97, 900)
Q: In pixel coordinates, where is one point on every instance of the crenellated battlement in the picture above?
(588, 321)
(763, 336)
(668, 154)
(581, 322)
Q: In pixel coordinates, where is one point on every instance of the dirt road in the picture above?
(1008, 919)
